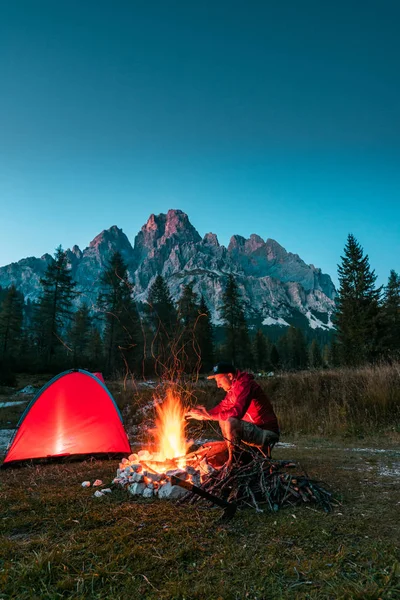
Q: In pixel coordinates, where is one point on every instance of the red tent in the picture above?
(73, 414)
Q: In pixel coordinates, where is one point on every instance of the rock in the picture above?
(155, 476)
(28, 389)
(148, 493)
(178, 473)
(136, 489)
(137, 467)
(172, 492)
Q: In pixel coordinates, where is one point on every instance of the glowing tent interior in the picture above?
(74, 414)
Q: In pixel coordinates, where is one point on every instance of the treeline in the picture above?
(159, 337)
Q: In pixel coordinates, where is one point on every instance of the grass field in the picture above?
(58, 541)
(61, 542)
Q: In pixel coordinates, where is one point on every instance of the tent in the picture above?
(73, 414)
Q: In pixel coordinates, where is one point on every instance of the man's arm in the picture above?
(200, 414)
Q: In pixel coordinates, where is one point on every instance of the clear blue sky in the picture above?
(281, 119)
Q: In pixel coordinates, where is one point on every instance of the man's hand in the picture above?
(199, 413)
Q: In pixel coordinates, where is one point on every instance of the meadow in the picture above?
(342, 427)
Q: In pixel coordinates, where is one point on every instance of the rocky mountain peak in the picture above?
(165, 229)
(76, 251)
(112, 239)
(275, 252)
(106, 236)
(210, 239)
(254, 243)
(237, 242)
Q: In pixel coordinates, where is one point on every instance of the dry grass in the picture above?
(362, 401)
(61, 542)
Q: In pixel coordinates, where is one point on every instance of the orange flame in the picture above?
(170, 429)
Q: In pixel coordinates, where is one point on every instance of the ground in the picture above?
(59, 541)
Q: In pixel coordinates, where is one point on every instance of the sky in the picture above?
(280, 119)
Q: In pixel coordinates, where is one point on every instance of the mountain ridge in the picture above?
(276, 285)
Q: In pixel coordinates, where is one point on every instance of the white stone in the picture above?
(147, 493)
(205, 466)
(97, 483)
(85, 483)
(136, 467)
(154, 476)
(171, 491)
(98, 494)
(137, 477)
(136, 489)
(178, 473)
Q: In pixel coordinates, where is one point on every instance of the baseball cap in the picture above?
(222, 368)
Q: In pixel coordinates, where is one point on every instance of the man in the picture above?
(245, 414)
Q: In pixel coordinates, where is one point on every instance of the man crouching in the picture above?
(244, 415)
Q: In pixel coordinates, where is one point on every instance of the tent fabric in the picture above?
(99, 376)
(73, 414)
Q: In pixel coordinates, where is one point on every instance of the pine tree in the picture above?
(261, 351)
(357, 306)
(205, 336)
(332, 358)
(293, 349)
(162, 321)
(315, 360)
(79, 336)
(187, 306)
(238, 349)
(122, 332)
(54, 308)
(274, 358)
(186, 347)
(11, 319)
(95, 350)
(390, 318)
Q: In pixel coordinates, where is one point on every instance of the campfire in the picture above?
(148, 472)
(165, 469)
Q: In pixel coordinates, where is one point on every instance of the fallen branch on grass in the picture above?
(264, 483)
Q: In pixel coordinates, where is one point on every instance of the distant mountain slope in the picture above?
(277, 287)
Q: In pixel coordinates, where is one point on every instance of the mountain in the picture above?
(277, 287)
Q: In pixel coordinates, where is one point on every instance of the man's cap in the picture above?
(222, 368)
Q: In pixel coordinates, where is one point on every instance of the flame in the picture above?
(170, 430)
